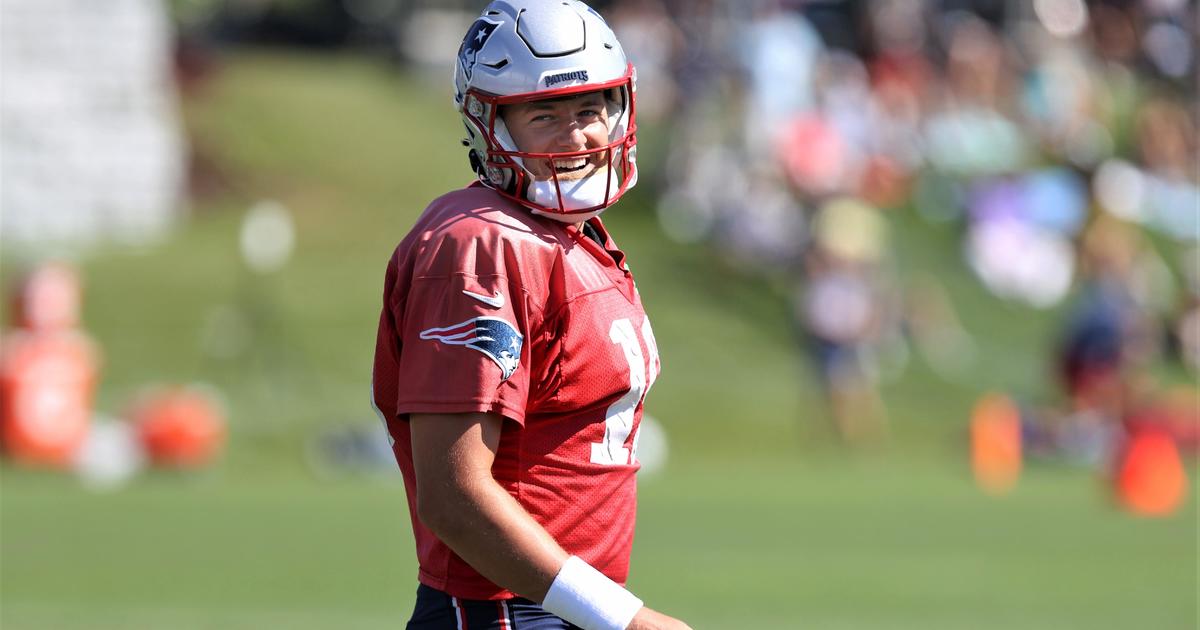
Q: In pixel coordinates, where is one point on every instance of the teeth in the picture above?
(570, 165)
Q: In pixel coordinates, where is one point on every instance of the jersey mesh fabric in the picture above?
(575, 306)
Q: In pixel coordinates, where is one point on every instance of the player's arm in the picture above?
(460, 501)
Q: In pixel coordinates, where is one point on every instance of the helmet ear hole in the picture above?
(476, 163)
(492, 175)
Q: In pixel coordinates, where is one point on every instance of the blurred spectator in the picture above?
(1104, 324)
(1185, 326)
(845, 310)
(652, 42)
(1067, 104)
(762, 227)
(1111, 335)
(48, 368)
(970, 132)
(779, 53)
(1166, 139)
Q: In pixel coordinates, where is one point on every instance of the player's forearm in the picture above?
(496, 536)
(488, 529)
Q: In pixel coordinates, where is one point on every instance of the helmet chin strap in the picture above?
(576, 194)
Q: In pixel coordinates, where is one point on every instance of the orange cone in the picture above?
(1150, 477)
(180, 427)
(996, 443)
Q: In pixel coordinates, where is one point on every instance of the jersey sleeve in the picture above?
(465, 334)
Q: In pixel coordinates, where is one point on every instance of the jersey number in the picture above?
(618, 421)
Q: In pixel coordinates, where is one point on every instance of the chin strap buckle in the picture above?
(495, 176)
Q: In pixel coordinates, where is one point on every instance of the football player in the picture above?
(513, 354)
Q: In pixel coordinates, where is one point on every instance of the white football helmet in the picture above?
(519, 51)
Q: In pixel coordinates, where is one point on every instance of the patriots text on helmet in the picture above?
(574, 75)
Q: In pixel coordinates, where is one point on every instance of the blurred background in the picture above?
(924, 276)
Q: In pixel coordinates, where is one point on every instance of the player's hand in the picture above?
(648, 619)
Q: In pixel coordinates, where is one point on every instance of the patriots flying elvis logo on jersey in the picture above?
(490, 335)
(480, 31)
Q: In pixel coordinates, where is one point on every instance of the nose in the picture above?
(571, 137)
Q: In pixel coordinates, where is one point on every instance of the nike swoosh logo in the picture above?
(494, 301)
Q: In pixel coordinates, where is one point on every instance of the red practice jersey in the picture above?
(489, 308)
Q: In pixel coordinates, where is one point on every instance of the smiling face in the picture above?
(561, 125)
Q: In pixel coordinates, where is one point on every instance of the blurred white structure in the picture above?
(268, 236)
(111, 455)
(91, 147)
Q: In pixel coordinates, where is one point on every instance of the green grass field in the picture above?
(758, 521)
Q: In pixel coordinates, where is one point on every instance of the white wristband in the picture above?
(587, 598)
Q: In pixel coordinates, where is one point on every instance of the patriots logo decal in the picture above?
(490, 335)
(479, 34)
